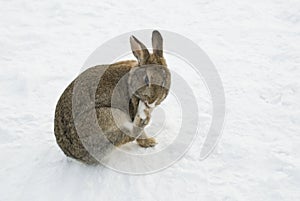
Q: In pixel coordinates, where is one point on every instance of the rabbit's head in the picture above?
(150, 80)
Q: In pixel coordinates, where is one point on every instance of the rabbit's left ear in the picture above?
(139, 50)
(157, 43)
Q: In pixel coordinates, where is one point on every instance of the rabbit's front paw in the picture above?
(148, 142)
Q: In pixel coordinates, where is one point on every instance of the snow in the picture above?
(255, 48)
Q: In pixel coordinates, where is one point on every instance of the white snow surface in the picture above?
(255, 46)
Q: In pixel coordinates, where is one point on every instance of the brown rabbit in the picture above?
(116, 98)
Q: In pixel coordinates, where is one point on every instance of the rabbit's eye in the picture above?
(146, 79)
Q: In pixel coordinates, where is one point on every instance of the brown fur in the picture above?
(91, 95)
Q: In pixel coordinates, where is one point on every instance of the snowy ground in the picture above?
(255, 46)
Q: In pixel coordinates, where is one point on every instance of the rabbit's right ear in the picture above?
(139, 50)
(157, 43)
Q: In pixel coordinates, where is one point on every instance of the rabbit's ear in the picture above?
(157, 43)
(139, 50)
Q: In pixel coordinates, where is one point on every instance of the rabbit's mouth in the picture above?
(150, 105)
(150, 102)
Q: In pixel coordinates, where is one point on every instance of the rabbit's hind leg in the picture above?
(144, 141)
(119, 138)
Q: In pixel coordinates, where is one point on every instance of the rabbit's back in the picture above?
(91, 89)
